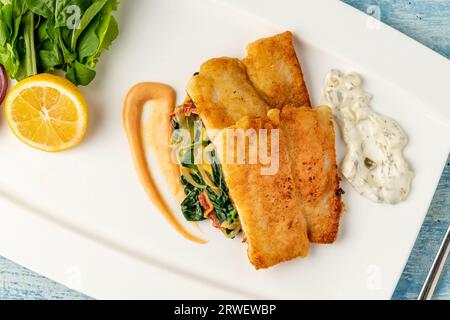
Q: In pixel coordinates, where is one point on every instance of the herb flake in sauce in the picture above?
(374, 163)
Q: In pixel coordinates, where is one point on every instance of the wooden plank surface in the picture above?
(429, 240)
(427, 21)
(19, 283)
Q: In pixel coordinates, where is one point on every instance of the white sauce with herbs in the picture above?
(374, 164)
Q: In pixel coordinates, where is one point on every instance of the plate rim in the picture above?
(60, 237)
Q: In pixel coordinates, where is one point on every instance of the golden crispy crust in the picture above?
(223, 93)
(274, 69)
(311, 146)
(268, 206)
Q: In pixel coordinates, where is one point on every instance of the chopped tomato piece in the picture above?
(203, 203)
(212, 215)
(215, 221)
(187, 108)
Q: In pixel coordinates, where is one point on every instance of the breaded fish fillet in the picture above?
(223, 94)
(311, 146)
(268, 206)
(273, 67)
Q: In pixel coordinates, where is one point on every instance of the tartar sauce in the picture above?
(374, 163)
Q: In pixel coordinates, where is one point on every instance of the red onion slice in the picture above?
(3, 83)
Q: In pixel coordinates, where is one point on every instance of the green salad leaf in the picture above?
(44, 8)
(29, 66)
(39, 36)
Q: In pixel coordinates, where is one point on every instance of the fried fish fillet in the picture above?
(275, 71)
(311, 146)
(268, 206)
(223, 94)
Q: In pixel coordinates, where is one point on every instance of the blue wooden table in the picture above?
(427, 21)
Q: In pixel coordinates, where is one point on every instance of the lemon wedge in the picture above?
(47, 112)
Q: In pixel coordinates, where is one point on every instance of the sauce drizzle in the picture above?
(135, 101)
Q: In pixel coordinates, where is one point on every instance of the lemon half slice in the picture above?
(47, 112)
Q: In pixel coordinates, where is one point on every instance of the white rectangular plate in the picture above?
(82, 218)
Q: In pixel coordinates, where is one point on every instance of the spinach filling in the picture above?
(207, 194)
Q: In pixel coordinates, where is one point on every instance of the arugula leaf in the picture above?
(19, 9)
(89, 42)
(107, 31)
(87, 18)
(88, 46)
(49, 60)
(44, 8)
(11, 17)
(106, 39)
(28, 66)
(80, 74)
(48, 54)
(9, 59)
(65, 10)
(69, 57)
(4, 32)
(47, 35)
(65, 36)
(5, 24)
